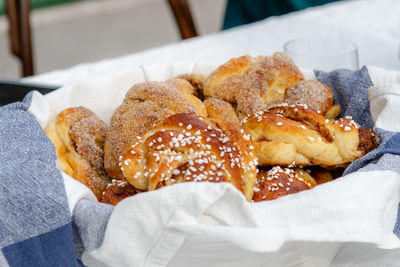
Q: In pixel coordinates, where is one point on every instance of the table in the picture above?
(374, 26)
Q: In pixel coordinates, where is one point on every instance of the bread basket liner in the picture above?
(206, 222)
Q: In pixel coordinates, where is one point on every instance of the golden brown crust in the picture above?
(368, 140)
(295, 135)
(118, 191)
(185, 148)
(145, 105)
(245, 147)
(279, 182)
(220, 109)
(183, 85)
(252, 84)
(333, 112)
(129, 122)
(320, 174)
(225, 81)
(78, 136)
(197, 81)
(255, 84)
(167, 95)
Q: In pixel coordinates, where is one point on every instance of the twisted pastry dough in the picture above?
(145, 105)
(78, 136)
(279, 182)
(117, 191)
(291, 135)
(312, 93)
(184, 148)
(252, 84)
(197, 81)
(220, 109)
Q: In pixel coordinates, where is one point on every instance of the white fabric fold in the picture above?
(384, 98)
(150, 229)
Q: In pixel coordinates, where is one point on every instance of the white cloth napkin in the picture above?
(212, 224)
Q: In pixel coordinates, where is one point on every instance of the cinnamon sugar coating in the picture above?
(145, 105)
(253, 83)
(218, 108)
(78, 136)
(312, 93)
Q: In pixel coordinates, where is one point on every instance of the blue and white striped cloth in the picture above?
(44, 223)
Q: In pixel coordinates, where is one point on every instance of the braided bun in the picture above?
(279, 182)
(145, 105)
(117, 191)
(78, 136)
(290, 135)
(184, 148)
(255, 84)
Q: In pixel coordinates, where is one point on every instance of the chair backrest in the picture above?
(20, 29)
(183, 17)
(20, 33)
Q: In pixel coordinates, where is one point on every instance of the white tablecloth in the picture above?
(373, 25)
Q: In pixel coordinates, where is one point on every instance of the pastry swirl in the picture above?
(296, 135)
(78, 136)
(184, 148)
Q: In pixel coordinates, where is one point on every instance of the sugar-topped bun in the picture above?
(296, 135)
(184, 148)
(279, 182)
(117, 191)
(145, 105)
(78, 136)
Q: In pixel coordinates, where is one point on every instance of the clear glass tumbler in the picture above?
(325, 54)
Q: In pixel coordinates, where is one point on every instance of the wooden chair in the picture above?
(20, 33)
(20, 30)
(183, 18)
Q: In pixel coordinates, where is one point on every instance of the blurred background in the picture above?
(69, 32)
(65, 33)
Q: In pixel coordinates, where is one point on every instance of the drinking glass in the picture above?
(325, 54)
